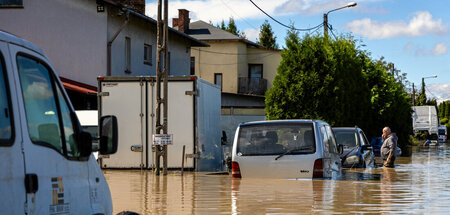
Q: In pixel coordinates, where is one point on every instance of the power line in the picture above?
(228, 64)
(248, 23)
(331, 29)
(430, 92)
(224, 53)
(298, 29)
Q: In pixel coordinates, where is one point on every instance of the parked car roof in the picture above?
(344, 128)
(281, 121)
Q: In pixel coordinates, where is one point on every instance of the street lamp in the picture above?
(433, 76)
(423, 88)
(325, 16)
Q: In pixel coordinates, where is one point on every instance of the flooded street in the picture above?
(419, 184)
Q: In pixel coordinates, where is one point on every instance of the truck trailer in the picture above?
(425, 118)
(193, 121)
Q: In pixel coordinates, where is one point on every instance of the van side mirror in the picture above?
(86, 144)
(366, 147)
(108, 135)
(340, 149)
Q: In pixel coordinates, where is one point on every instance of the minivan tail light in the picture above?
(235, 170)
(318, 168)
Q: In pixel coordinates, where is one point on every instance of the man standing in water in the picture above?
(388, 148)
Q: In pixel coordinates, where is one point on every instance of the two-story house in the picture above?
(243, 69)
(85, 39)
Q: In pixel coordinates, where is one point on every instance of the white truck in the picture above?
(442, 133)
(193, 120)
(46, 161)
(425, 118)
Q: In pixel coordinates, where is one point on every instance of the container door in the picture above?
(12, 189)
(56, 175)
(180, 122)
(126, 101)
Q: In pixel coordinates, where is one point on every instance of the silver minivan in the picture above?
(286, 149)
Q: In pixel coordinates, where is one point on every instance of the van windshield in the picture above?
(276, 139)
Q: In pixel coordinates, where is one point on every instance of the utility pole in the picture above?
(325, 24)
(413, 96)
(325, 17)
(161, 73)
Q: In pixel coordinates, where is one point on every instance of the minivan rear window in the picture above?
(276, 139)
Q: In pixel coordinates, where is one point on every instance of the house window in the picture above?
(127, 55)
(148, 54)
(255, 70)
(192, 65)
(218, 80)
(11, 4)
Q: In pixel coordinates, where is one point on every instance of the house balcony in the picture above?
(254, 86)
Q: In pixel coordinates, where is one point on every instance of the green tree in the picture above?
(232, 28)
(422, 98)
(447, 110)
(441, 110)
(222, 25)
(267, 37)
(333, 80)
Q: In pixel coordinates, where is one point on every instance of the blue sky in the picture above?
(412, 34)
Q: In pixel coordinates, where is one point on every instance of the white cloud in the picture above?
(409, 46)
(439, 48)
(421, 24)
(252, 34)
(216, 10)
(441, 92)
(310, 7)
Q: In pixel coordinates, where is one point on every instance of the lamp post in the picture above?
(325, 16)
(423, 88)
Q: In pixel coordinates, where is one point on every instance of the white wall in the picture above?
(71, 33)
(141, 31)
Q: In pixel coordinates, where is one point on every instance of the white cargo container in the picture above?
(425, 119)
(193, 120)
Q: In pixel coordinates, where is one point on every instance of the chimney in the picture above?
(182, 22)
(137, 5)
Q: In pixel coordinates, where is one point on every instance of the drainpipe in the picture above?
(127, 18)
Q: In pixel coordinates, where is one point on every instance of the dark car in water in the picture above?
(357, 149)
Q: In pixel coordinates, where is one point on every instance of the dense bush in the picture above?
(336, 81)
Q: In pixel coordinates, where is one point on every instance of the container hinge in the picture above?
(103, 94)
(192, 155)
(190, 93)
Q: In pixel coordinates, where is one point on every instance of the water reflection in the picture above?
(418, 184)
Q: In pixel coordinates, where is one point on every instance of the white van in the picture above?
(46, 162)
(286, 149)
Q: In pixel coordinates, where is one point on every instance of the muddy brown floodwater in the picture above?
(419, 184)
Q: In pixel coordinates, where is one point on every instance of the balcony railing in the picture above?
(255, 86)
